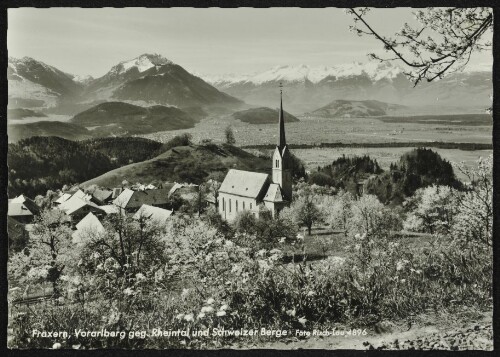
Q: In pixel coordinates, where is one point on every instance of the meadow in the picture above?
(314, 130)
(361, 131)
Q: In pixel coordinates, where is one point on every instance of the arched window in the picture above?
(277, 163)
(236, 205)
(243, 205)
(229, 205)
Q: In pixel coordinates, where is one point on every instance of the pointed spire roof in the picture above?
(281, 138)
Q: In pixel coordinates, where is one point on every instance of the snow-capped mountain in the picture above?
(155, 79)
(141, 63)
(307, 88)
(148, 78)
(304, 73)
(33, 83)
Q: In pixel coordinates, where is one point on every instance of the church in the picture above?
(246, 190)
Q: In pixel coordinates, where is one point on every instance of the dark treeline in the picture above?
(433, 144)
(345, 172)
(415, 169)
(38, 164)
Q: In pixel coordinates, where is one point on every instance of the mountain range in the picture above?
(147, 79)
(308, 88)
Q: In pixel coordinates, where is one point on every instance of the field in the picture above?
(462, 128)
(312, 130)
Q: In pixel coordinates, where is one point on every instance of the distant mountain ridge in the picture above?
(357, 109)
(308, 88)
(262, 115)
(149, 78)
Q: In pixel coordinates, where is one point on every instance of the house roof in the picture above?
(101, 195)
(64, 197)
(90, 224)
(109, 209)
(273, 193)
(155, 213)
(74, 204)
(122, 199)
(116, 192)
(18, 209)
(243, 183)
(135, 199)
(22, 206)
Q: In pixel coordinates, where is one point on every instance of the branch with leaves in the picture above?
(442, 43)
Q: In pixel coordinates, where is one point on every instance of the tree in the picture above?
(230, 140)
(442, 43)
(474, 218)
(304, 210)
(338, 210)
(432, 210)
(372, 219)
(49, 252)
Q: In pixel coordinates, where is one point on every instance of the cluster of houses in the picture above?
(85, 210)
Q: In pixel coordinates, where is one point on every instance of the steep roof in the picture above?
(122, 199)
(154, 213)
(101, 195)
(110, 209)
(18, 209)
(116, 192)
(22, 206)
(88, 225)
(135, 199)
(243, 183)
(75, 203)
(273, 193)
(64, 197)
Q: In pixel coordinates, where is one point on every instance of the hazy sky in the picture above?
(210, 41)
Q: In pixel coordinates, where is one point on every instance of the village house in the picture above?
(87, 228)
(130, 200)
(247, 191)
(154, 214)
(101, 196)
(22, 209)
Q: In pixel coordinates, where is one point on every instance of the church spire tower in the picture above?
(281, 157)
(281, 138)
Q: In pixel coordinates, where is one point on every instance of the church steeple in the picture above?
(281, 138)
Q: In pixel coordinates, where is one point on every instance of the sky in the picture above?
(206, 41)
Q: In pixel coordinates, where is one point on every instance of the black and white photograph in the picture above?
(247, 178)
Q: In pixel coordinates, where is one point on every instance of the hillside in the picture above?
(21, 113)
(172, 85)
(63, 130)
(152, 78)
(356, 109)
(118, 118)
(39, 164)
(185, 164)
(262, 115)
(35, 84)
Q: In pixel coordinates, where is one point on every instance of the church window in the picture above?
(250, 205)
(229, 205)
(224, 204)
(236, 205)
(243, 205)
(277, 163)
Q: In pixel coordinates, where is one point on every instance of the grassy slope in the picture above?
(64, 130)
(185, 164)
